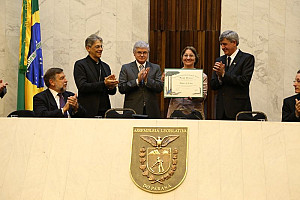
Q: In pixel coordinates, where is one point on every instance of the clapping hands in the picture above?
(111, 81)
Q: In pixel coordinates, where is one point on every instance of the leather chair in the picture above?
(194, 114)
(22, 113)
(251, 116)
(119, 113)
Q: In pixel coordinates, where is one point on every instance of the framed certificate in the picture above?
(183, 83)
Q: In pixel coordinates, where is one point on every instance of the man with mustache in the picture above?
(291, 105)
(56, 101)
(231, 78)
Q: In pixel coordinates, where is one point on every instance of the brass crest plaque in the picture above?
(158, 158)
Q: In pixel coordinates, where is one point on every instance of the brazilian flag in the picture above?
(30, 77)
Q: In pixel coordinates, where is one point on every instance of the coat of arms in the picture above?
(158, 160)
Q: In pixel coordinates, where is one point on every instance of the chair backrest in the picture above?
(251, 116)
(21, 113)
(178, 114)
(119, 113)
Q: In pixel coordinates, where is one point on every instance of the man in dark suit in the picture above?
(94, 80)
(291, 105)
(3, 89)
(56, 101)
(140, 81)
(231, 78)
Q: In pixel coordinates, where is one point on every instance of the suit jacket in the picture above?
(3, 92)
(233, 88)
(136, 95)
(92, 93)
(288, 109)
(44, 105)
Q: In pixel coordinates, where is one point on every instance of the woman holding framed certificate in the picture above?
(188, 104)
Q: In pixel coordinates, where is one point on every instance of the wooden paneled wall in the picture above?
(175, 24)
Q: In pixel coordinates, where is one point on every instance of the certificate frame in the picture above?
(183, 83)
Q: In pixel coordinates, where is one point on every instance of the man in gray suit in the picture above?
(140, 81)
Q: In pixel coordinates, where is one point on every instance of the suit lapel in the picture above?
(52, 101)
(150, 66)
(65, 95)
(236, 60)
(223, 59)
(105, 69)
(91, 67)
(134, 69)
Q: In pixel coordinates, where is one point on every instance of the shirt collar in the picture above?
(233, 55)
(94, 60)
(138, 64)
(53, 92)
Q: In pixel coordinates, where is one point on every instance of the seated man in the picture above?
(291, 105)
(2, 88)
(56, 101)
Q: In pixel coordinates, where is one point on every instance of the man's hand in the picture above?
(219, 68)
(146, 74)
(66, 107)
(163, 77)
(297, 108)
(72, 101)
(143, 74)
(111, 81)
(2, 85)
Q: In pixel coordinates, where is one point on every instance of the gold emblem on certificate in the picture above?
(158, 158)
(183, 83)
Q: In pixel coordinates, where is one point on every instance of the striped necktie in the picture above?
(141, 67)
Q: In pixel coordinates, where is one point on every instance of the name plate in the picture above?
(183, 83)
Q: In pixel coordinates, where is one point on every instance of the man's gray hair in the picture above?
(229, 35)
(141, 44)
(92, 39)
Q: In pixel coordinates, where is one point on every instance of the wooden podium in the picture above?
(87, 159)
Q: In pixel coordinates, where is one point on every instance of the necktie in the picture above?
(228, 63)
(142, 81)
(141, 67)
(62, 103)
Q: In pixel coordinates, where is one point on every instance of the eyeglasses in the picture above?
(142, 52)
(99, 46)
(296, 81)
